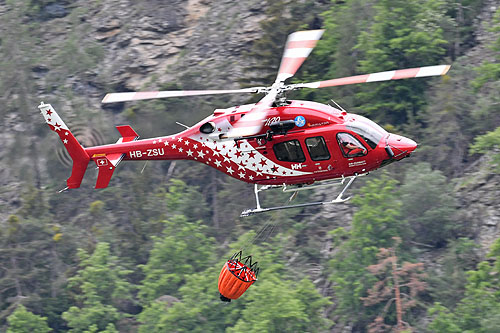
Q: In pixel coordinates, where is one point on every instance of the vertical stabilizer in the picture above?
(78, 155)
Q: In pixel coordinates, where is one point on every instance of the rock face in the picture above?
(143, 45)
(165, 41)
(478, 192)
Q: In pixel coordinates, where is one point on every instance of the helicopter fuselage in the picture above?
(300, 142)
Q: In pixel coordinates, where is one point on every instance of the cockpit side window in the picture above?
(317, 148)
(350, 146)
(289, 151)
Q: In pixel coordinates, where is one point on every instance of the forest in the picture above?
(144, 254)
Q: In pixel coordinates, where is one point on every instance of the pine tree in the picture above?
(23, 321)
(376, 221)
(479, 310)
(489, 143)
(182, 250)
(432, 218)
(397, 284)
(100, 291)
(405, 34)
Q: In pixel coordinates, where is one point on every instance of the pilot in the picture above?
(353, 149)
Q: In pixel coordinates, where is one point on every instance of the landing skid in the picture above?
(295, 190)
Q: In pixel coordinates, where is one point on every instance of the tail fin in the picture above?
(75, 150)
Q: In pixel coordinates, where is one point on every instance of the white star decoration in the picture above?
(240, 160)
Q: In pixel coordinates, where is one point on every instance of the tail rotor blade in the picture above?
(135, 96)
(380, 76)
(298, 47)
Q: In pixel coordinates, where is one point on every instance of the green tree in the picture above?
(23, 321)
(461, 30)
(274, 302)
(182, 250)
(449, 103)
(447, 281)
(377, 220)
(405, 34)
(445, 321)
(489, 71)
(489, 144)
(335, 54)
(428, 203)
(28, 262)
(279, 305)
(198, 307)
(100, 291)
(478, 310)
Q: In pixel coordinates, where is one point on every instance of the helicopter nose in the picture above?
(401, 146)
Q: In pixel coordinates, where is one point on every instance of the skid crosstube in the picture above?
(338, 199)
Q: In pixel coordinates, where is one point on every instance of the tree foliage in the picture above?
(152, 244)
(23, 321)
(377, 220)
(101, 289)
(489, 71)
(489, 144)
(428, 203)
(478, 310)
(404, 34)
(182, 250)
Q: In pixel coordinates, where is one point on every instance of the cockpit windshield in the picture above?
(367, 129)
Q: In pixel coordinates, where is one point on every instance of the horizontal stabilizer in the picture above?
(127, 133)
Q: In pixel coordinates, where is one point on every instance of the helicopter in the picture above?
(275, 143)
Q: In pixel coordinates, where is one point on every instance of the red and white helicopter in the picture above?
(276, 142)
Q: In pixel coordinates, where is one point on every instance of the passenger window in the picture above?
(289, 151)
(350, 146)
(317, 148)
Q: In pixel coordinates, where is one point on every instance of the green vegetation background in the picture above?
(144, 254)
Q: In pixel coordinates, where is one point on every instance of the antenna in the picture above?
(338, 105)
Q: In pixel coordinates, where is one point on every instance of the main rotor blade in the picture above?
(380, 76)
(298, 47)
(135, 96)
(252, 122)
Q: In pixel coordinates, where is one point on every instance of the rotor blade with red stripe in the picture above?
(252, 122)
(135, 96)
(298, 47)
(380, 76)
